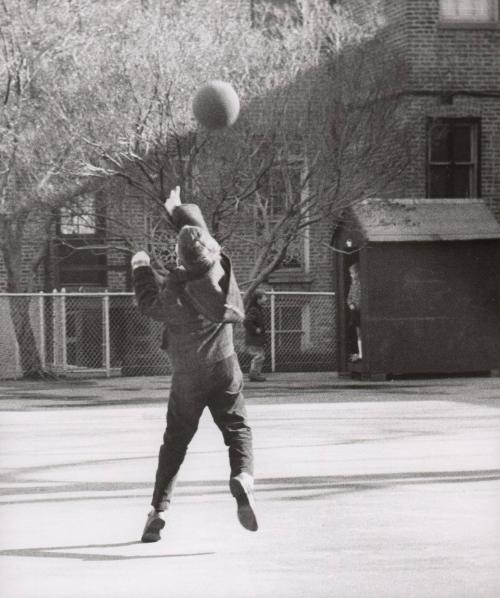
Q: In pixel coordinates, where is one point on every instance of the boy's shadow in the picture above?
(61, 552)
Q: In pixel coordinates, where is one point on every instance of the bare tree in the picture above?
(38, 148)
(318, 130)
(94, 92)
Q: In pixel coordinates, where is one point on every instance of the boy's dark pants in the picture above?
(217, 386)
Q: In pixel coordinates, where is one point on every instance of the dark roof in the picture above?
(383, 220)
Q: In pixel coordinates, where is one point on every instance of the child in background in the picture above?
(354, 304)
(255, 334)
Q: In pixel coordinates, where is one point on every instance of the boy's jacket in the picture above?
(197, 310)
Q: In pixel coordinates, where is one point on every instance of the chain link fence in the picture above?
(88, 334)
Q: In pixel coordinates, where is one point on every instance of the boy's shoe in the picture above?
(257, 378)
(154, 524)
(241, 487)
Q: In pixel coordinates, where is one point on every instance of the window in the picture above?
(81, 256)
(469, 10)
(280, 187)
(453, 158)
(281, 190)
(80, 218)
(80, 265)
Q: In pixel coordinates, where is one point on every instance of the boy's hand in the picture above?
(173, 200)
(141, 258)
(235, 309)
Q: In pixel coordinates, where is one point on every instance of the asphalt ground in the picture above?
(364, 489)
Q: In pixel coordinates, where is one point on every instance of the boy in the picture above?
(198, 303)
(255, 335)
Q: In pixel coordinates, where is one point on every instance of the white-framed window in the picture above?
(80, 250)
(480, 11)
(453, 158)
(282, 188)
(80, 218)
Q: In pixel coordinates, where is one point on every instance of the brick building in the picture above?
(449, 101)
(452, 49)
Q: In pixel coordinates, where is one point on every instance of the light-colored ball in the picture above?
(216, 105)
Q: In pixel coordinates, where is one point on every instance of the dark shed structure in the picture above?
(430, 286)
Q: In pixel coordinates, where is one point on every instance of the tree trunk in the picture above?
(31, 366)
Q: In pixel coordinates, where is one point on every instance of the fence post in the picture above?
(55, 335)
(106, 334)
(63, 331)
(41, 315)
(273, 333)
(17, 359)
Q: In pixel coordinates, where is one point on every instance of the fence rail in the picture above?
(85, 334)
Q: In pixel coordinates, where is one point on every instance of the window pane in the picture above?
(468, 10)
(282, 187)
(78, 224)
(462, 181)
(440, 183)
(294, 255)
(79, 265)
(451, 182)
(291, 261)
(462, 143)
(83, 277)
(277, 200)
(440, 143)
(80, 218)
(456, 177)
(78, 254)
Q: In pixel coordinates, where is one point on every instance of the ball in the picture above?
(216, 105)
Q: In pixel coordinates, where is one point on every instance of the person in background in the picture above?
(255, 334)
(198, 303)
(354, 304)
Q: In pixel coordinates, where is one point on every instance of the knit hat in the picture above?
(196, 248)
(258, 293)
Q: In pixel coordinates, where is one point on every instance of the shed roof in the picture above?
(383, 220)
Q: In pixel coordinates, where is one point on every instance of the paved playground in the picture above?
(364, 490)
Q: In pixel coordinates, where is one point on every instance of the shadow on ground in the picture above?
(62, 552)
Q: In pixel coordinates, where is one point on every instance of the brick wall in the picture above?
(31, 247)
(418, 110)
(450, 56)
(452, 71)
